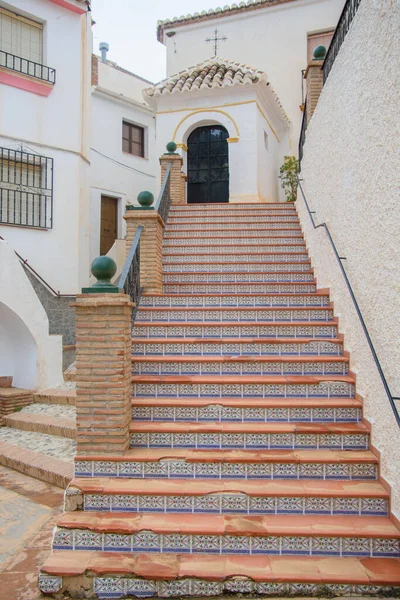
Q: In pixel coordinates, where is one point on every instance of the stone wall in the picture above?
(350, 177)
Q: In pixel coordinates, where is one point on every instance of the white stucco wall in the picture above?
(351, 175)
(57, 127)
(113, 172)
(245, 114)
(27, 351)
(273, 39)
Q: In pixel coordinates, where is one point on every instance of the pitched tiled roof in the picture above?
(213, 73)
(214, 14)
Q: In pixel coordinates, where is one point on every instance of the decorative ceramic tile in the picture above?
(49, 584)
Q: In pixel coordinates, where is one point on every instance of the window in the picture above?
(21, 37)
(26, 189)
(132, 139)
(322, 38)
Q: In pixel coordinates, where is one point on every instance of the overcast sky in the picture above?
(129, 26)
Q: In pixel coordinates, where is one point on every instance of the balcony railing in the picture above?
(26, 189)
(164, 198)
(27, 67)
(343, 26)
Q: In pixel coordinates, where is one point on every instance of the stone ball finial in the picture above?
(104, 269)
(171, 147)
(319, 53)
(145, 198)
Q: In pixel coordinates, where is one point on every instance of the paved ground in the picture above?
(28, 509)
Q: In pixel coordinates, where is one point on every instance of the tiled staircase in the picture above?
(250, 469)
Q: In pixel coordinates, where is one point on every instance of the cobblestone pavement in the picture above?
(50, 445)
(28, 510)
(56, 410)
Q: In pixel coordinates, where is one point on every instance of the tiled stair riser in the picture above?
(180, 469)
(252, 441)
(237, 268)
(232, 368)
(314, 348)
(238, 288)
(240, 504)
(190, 258)
(269, 223)
(199, 247)
(228, 414)
(250, 277)
(149, 541)
(193, 315)
(249, 217)
(278, 235)
(188, 330)
(289, 301)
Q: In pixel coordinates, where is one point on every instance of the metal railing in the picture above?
(27, 67)
(164, 198)
(339, 259)
(26, 189)
(302, 138)
(129, 279)
(348, 12)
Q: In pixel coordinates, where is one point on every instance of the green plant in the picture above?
(288, 176)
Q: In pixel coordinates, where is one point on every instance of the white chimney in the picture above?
(104, 48)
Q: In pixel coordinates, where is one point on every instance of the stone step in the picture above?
(314, 299)
(248, 276)
(175, 575)
(234, 257)
(243, 267)
(316, 535)
(44, 457)
(229, 313)
(256, 436)
(179, 463)
(252, 410)
(234, 365)
(239, 288)
(235, 329)
(247, 497)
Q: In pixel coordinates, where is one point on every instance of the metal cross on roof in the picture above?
(216, 39)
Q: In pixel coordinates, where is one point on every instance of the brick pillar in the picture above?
(314, 78)
(177, 189)
(103, 373)
(150, 246)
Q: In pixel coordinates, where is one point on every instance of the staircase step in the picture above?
(227, 207)
(239, 277)
(244, 267)
(261, 436)
(246, 216)
(239, 288)
(233, 347)
(229, 256)
(234, 329)
(175, 575)
(250, 497)
(244, 365)
(233, 247)
(308, 300)
(42, 423)
(273, 222)
(250, 410)
(237, 220)
(276, 235)
(316, 535)
(62, 395)
(178, 463)
(232, 313)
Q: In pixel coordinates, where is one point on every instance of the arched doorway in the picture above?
(208, 165)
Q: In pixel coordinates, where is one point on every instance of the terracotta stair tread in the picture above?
(242, 379)
(246, 283)
(234, 456)
(242, 359)
(201, 487)
(251, 402)
(209, 524)
(363, 571)
(318, 292)
(235, 340)
(257, 427)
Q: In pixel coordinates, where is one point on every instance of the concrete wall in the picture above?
(273, 39)
(113, 172)
(350, 172)
(27, 351)
(57, 127)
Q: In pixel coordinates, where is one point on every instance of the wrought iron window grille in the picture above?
(27, 67)
(26, 189)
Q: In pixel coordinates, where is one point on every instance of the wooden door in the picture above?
(108, 223)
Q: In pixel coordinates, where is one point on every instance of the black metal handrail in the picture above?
(129, 279)
(302, 138)
(164, 198)
(343, 26)
(356, 306)
(27, 67)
